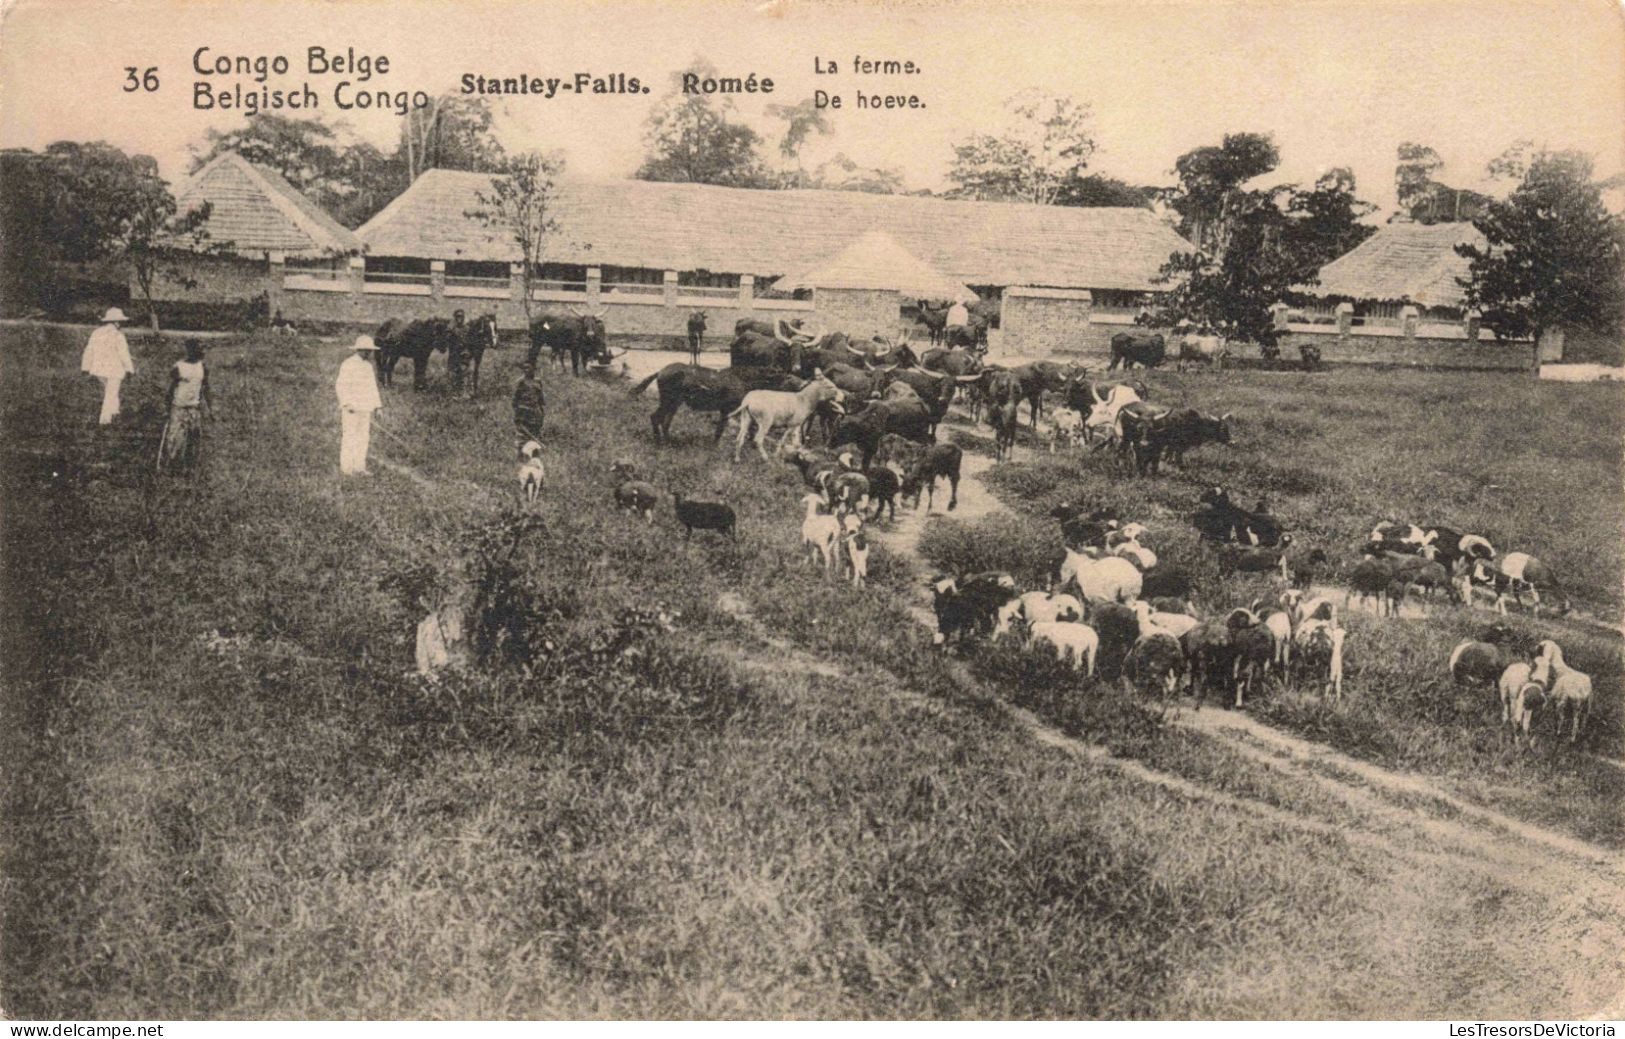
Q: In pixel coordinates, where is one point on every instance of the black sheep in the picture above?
(703, 515)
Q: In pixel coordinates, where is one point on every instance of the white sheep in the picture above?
(1320, 642)
(1521, 696)
(1073, 642)
(1151, 622)
(1037, 607)
(1568, 689)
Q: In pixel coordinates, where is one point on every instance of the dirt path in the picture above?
(1409, 815)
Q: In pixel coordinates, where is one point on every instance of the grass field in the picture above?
(228, 797)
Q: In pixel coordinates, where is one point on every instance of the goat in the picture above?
(703, 515)
(1370, 579)
(1156, 659)
(1165, 581)
(939, 460)
(855, 543)
(969, 605)
(1320, 642)
(1253, 650)
(771, 409)
(1072, 641)
(1569, 690)
(1279, 624)
(634, 495)
(883, 487)
(819, 531)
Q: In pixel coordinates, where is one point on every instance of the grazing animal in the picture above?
(696, 335)
(870, 424)
(1217, 518)
(847, 490)
(1002, 416)
(897, 453)
(418, 339)
(1150, 434)
(704, 389)
(1065, 428)
(1131, 348)
(1568, 689)
(939, 461)
(632, 494)
(771, 409)
(1521, 696)
(703, 515)
(1279, 624)
(1080, 531)
(969, 606)
(1477, 663)
(532, 474)
(1155, 660)
(855, 545)
(1208, 648)
(1175, 624)
(1074, 642)
(1370, 579)
(1034, 607)
(815, 469)
(1101, 580)
(1209, 349)
(1257, 560)
(956, 362)
(884, 485)
(1135, 553)
(1320, 646)
(1166, 582)
(468, 345)
(1254, 652)
(1520, 574)
(819, 532)
(758, 350)
(1306, 570)
(577, 336)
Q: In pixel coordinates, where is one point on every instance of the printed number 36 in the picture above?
(148, 80)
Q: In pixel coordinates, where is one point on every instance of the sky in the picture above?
(1337, 83)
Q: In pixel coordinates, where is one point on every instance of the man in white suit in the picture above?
(107, 357)
(357, 388)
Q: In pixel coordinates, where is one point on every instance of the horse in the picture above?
(696, 335)
(578, 336)
(469, 349)
(397, 338)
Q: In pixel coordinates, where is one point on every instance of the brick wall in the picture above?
(859, 312)
(1039, 322)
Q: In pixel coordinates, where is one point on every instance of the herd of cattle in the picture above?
(1108, 604)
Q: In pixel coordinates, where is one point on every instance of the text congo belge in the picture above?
(243, 82)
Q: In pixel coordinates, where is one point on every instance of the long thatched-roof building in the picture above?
(1403, 263)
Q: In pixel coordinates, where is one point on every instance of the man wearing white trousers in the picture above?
(107, 357)
(358, 398)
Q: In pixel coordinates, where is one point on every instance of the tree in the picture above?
(29, 243)
(1324, 223)
(801, 121)
(1209, 198)
(1045, 140)
(844, 174)
(1425, 199)
(518, 203)
(1555, 256)
(1096, 189)
(691, 141)
(452, 133)
(117, 206)
(349, 178)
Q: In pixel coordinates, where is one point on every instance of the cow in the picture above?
(1211, 349)
(1173, 433)
(934, 316)
(951, 362)
(1004, 420)
(696, 335)
(866, 426)
(890, 355)
(1133, 348)
(1034, 379)
(581, 336)
(754, 350)
(706, 389)
(418, 340)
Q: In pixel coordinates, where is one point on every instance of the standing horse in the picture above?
(577, 336)
(478, 336)
(696, 335)
(415, 339)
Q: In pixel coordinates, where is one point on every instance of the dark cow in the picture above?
(770, 329)
(581, 336)
(957, 363)
(867, 426)
(1133, 348)
(882, 355)
(1037, 377)
(898, 452)
(754, 350)
(939, 461)
(1002, 416)
(696, 335)
(969, 606)
(934, 316)
(1173, 433)
(418, 340)
(1082, 396)
(706, 389)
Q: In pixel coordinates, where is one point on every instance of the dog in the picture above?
(532, 474)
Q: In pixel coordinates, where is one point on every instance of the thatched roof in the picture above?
(1414, 262)
(634, 223)
(254, 211)
(876, 261)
